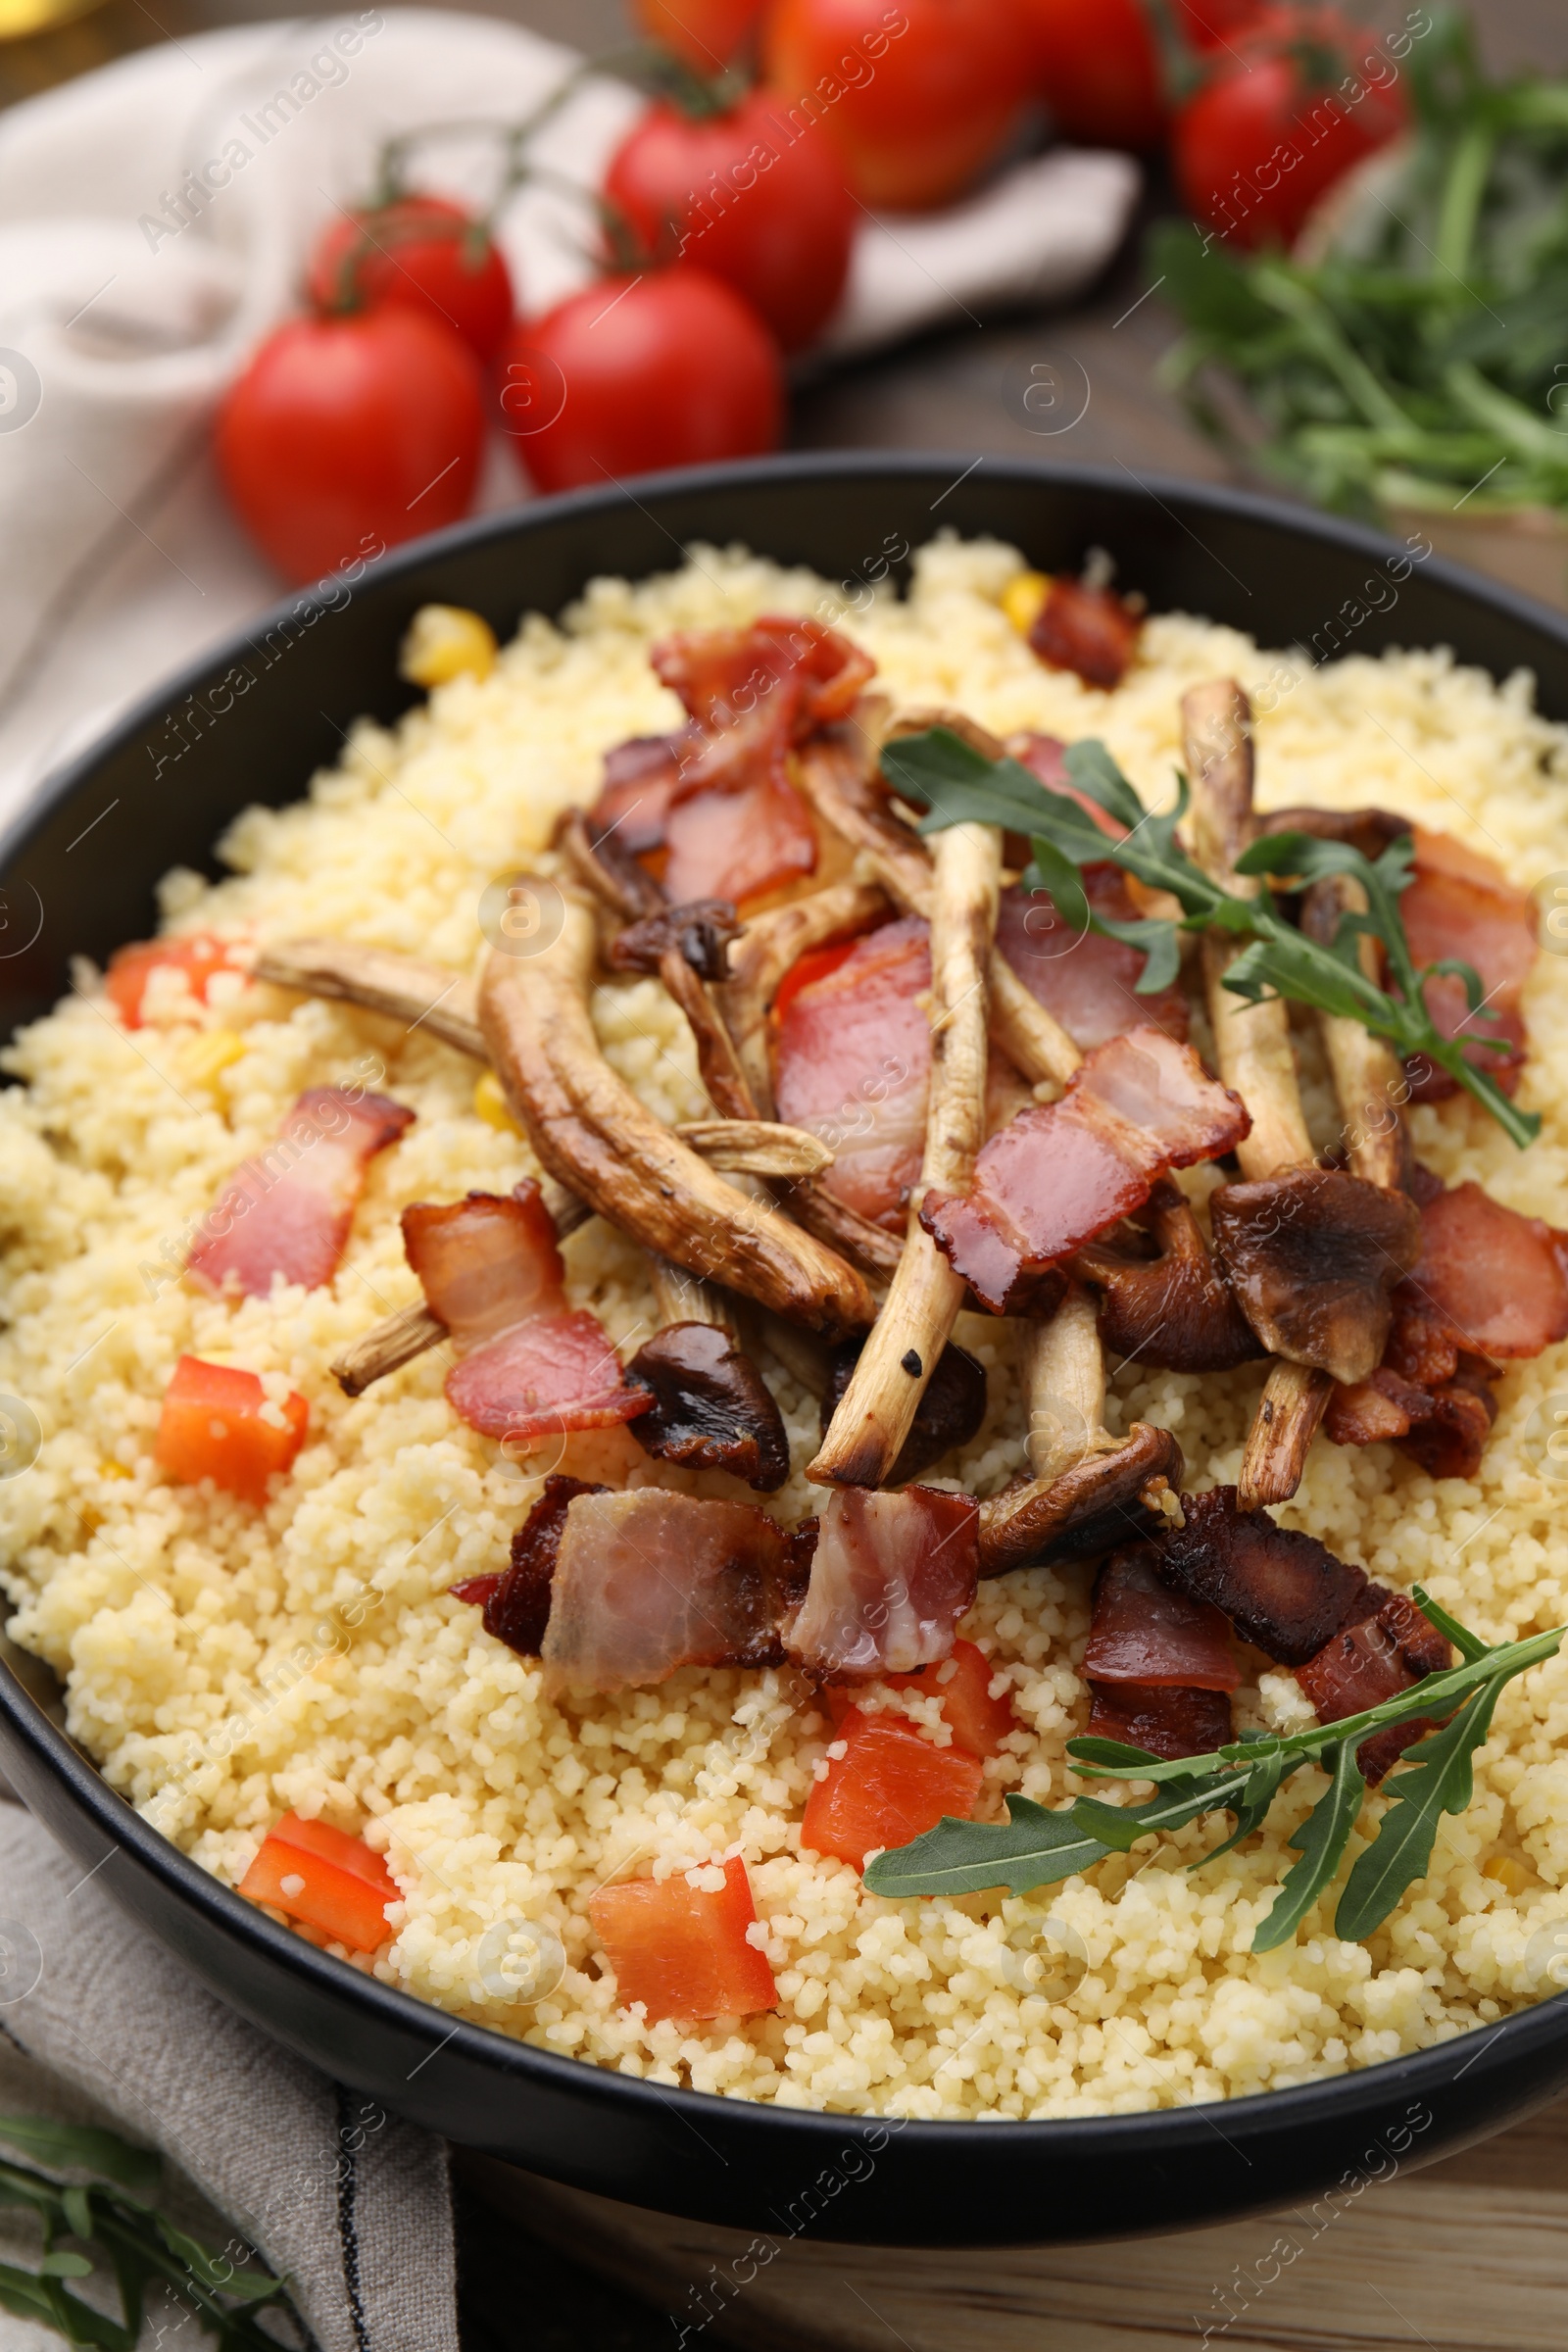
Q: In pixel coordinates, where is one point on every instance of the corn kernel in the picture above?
(491, 1104)
(115, 1470)
(443, 642)
(204, 1057)
(1023, 597)
(91, 1517)
(1512, 1875)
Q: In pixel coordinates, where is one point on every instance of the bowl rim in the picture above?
(1152, 2132)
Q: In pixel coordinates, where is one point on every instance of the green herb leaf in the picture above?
(65, 2265)
(85, 2147)
(1438, 1777)
(1320, 1842)
(1468, 1644)
(1263, 1783)
(1034, 1847)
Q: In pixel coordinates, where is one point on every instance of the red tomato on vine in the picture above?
(1100, 70)
(746, 195)
(1309, 95)
(636, 373)
(421, 252)
(705, 32)
(345, 432)
(917, 99)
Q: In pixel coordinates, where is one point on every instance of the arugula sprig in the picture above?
(143, 2246)
(1037, 1846)
(957, 784)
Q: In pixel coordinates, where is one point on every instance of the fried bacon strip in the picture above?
(516, 1601)
(892, 1575)
(877, 1409)
(1382, 1649)
(1088, 1492)
(593, 1135)
(1064, 1173)
(1459, 904)
(527, 1365)
(768, 949)
(1283, 1590)
(836, 772)
(288, 1212)
(1158, 1665)
(648, 1582)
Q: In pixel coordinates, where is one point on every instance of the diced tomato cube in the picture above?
(212, 1427)
(338, 1847)
(978, 1722)
(890, 1786)
(199, 955)
(333, 1892)
(681, 1952)
(817, 964)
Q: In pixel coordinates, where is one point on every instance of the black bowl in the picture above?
(250, 723)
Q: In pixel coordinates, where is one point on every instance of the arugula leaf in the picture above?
(957, 785)
(1033, 1848)
(1467, 1643)
(1438, 1778)
(1320, 1842)
(1263, 1783)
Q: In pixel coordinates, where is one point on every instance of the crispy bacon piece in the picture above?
(1044, 757)
(949, 1414)
(289, 1212)
(1313, 1256)
(1085, 981)
(711, 1408)
(490, 1267)
(1459, 903)
(1489, 1281)
(1062, 1173)
(852, 1064)
(648, 1582)
(1446, 1430)
(891, 1577)
(1174, 1310)
(712, 801)
(1386, 1648)
(1144, 1631)
(1160, 1720)
(1090, 631)
(1283, 1590)
(516, 1601)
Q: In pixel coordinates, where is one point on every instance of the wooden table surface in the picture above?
(1471, 2255)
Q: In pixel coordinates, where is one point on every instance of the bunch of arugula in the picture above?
(957, 784)
(1037, 1847)
(1420, 360)
(143, 2247)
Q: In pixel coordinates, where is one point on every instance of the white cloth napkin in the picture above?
(118, 329)
(98, 2023)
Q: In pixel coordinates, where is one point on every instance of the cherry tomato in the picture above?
(635, 373)
(705, 32)
(917, 98)
(749, 196)
(1308, 95)
(420, 251)
(344, 432)
(1100, 70)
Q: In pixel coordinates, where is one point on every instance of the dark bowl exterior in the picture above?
(250, 723)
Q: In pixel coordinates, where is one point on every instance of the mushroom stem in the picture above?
(603, 866)
(832, 773)
(681, 1298)
(421, 995)
(387, 1348)
(1063, 1373)
(768, 949)
(877, 1408)
(717, 1063)
(755, 1147)
(589, 1130)
(1369, 1081)
(1256, 1061)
